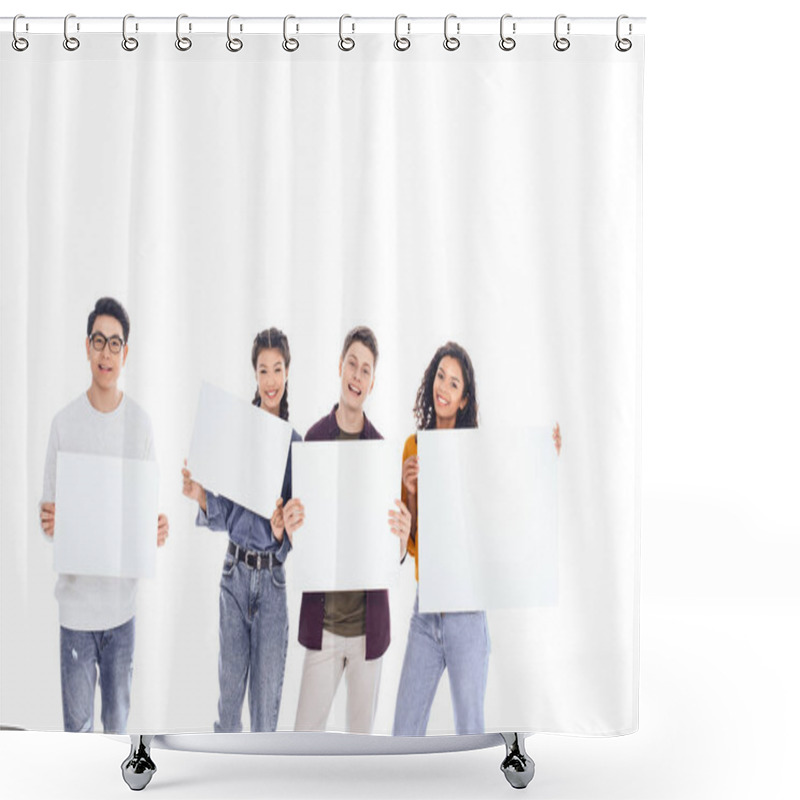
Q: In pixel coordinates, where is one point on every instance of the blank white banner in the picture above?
(347, 490)
(488, 502)
(106, 516)
(239, 450)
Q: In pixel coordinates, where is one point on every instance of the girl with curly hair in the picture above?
(457, 641)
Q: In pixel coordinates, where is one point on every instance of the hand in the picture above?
(289, 518)
(294, 515)
(163, 529)
(410, 474)
(276, 521)
(400, 524)
(192, 488)
(47, 517)
(557, 439)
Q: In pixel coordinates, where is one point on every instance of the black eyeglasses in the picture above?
(99, 341)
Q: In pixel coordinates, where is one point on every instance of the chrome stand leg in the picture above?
(518, 766)
(138, 768)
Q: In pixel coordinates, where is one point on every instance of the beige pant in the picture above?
(322, 671)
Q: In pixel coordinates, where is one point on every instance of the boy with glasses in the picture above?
(96, 614)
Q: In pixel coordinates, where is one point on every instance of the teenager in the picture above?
(347, 632)
(253, 620)
(97, 614)
(458, 641)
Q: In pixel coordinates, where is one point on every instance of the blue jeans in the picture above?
(83, 655)
(253, 637)
(458, 641)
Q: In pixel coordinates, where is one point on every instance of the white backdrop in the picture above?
(483, 196)
(720, 164)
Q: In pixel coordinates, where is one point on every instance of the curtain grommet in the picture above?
(129, 43)
(233, 44)
(19, 43)
(71, 43)
(623, 44)
(507, 43)
(401, 43)
(182, 43)
(561, 43)
(289, 44)
(346, 43)
(451, 43)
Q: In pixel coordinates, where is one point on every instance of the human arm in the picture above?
(409, 490)
(214, 510)
(557, 438)
(192, 489)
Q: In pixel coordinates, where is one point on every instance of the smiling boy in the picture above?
(347, 630)
(96, 614)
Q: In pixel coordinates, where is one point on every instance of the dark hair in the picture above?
(424, 412)
(109, 307)
(273, 339)
(364, 335)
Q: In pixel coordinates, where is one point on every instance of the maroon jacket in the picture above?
(312, 609)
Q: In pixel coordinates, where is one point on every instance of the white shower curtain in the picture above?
(485, 197)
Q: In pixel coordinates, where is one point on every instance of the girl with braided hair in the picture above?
(253, 618)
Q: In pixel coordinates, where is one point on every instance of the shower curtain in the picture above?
(471, 194)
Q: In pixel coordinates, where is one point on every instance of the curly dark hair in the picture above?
(273, 339)
(424, 412)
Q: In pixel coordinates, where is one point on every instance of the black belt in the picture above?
(253, 558)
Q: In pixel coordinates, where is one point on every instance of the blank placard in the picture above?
(347, 490)
(106, 516)
(239, 450)
(488, 533)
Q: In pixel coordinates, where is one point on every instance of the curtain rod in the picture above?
(325, 25)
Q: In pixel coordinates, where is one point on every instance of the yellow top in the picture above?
(410, 449)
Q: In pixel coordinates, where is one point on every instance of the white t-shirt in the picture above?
(86, 602)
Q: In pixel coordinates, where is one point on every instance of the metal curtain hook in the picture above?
(183, 43)
(401, 43)
(70, 42)
(129, 43)
(450, 42)
(234, 45)
(561, 43)
(18, 42)
(623, 45)
(506, 42)
(345, 42)
(289, 45)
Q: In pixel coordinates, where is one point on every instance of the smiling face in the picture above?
(106, 366)
(357, 371)
(271, 374)
(448, 392)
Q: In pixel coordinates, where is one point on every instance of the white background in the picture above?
(720, 547)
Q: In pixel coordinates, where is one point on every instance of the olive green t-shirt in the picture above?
(346, 612)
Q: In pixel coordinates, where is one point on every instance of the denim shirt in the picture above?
(246, 528)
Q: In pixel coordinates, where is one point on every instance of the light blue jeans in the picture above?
(84, 654)
(458, 641)
(253, 637)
